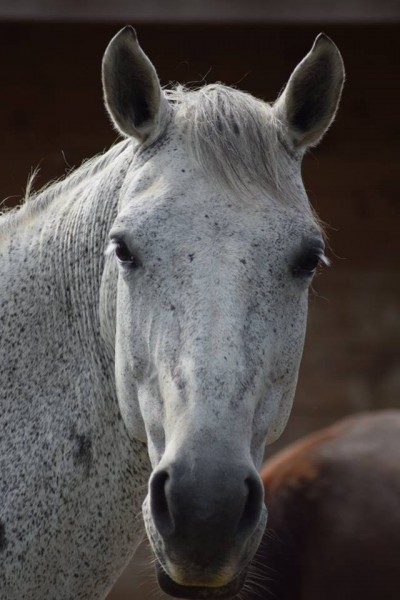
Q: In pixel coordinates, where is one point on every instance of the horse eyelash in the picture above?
(110, 248)
(325, 260)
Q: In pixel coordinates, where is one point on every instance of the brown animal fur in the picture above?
(334, 515)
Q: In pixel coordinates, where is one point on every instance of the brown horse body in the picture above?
(334, 514)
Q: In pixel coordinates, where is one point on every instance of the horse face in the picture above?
(210, 321)
(211, 314)
(211, 304)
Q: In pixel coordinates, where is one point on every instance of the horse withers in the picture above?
(333, 501)
(153, 311)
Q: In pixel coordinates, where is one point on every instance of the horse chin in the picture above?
(169, 586)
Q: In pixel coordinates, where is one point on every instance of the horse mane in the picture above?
(36, 201)
(235, 138)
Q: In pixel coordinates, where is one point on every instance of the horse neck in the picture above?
(60, 423)
(51, 272)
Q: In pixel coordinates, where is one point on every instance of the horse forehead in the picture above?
(173, 195)
(192, 207)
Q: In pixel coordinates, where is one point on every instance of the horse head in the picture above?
(216, 247)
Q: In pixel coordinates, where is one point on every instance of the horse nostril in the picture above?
(252, 508)
(159, 503)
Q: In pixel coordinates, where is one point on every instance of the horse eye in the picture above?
(307, 263)
(124, 255)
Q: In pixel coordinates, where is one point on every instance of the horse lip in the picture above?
(169, 586)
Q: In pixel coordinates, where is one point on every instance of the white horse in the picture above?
(154, 372)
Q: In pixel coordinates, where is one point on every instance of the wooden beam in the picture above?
(219, 11)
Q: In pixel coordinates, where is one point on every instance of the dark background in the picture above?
(51, 115)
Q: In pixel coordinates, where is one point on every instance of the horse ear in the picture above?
(309, 102)
(132, 92)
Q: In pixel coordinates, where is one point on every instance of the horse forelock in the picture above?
(236, 139)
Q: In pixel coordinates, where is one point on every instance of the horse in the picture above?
(153, 311)
(334, 524)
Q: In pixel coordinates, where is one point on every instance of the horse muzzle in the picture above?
(205, 525)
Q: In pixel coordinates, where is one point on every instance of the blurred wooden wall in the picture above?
(51, 115)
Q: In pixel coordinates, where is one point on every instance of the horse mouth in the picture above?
(169, 586)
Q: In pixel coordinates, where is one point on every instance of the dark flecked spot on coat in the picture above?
(83, 455)
(3, 539)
